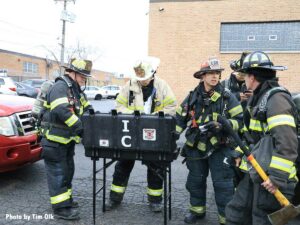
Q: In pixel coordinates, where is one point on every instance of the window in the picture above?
(251, 38)
(273, 37)
(265, 36)
(29, 67)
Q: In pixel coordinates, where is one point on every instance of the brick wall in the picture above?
(13, 62)
(185, 33)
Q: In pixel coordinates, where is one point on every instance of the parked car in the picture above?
(18, 139)
(37, 83)
(110, 91)
(93, 92)
(7, 86)
(26, 90)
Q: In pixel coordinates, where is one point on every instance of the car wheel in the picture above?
(98, 97)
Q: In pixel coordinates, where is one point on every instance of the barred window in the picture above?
(266, 36)
(29, 67)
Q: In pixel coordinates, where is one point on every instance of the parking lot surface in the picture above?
(24, 195)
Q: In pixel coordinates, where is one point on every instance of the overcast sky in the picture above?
(114, 31)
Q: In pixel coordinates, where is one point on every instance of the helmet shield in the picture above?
(144, 69)
(258, 60)
(212, 64)
(83, 67)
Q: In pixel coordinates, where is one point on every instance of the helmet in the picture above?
(237, 64)
(212, 64)
(258, 60)
(145, 68)
(81, 66)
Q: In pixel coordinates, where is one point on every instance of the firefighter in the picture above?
(206, 147)
(236, 82)
(270, 120)
(62, 128)
(149, 94)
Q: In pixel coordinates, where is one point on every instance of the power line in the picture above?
(25, 29)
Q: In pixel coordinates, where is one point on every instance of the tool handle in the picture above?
(279, 196)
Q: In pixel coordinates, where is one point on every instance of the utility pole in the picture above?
(65, 16)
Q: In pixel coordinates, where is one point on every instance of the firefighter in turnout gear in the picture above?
(148, 94)
(61, 130)
(270, 119)
(207, 148)
(236, 82)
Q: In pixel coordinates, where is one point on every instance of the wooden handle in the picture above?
(279, 196)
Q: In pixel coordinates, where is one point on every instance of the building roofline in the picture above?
(154, 1)
(24, 55)
(41, 58)
(266, 21)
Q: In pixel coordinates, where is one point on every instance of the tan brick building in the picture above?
(21, 66)
(183, 33)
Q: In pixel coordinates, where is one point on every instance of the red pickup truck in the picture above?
(18, 139)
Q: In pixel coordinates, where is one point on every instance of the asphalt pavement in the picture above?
(24, 195)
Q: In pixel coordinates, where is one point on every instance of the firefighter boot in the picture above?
(111, 205)
(193, 217)
(155, 207)
(66, 213)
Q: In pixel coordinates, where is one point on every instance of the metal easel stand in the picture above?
(166, 183)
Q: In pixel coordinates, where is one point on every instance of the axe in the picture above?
(288, 211)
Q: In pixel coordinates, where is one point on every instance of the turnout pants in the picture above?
(252, 203)
(59, 165)
(222, 178)
(121, 175)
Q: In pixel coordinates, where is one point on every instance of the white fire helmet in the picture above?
(145, 68)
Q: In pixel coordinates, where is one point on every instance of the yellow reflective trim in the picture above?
(198, 209)
(178, 129)
(84, 102)
(279, 120)
(281, 164)
(179, 110)
(189, 143)
(201, 146)
(81, 110)
(243, 165)
(256, 126)
(215, 116)
(215, 96)
(235, 111)
(60, 198)
(118, 189)
(72, 120)
(140, 108)
(122, 99)
(58, 102)
(235, 124)
(244, 129)
(158, 108)
(70, 192)
(238, 149)
(222, 219)
(154, 192)
(293, 173)
(168, 101)
(213, 140)
(121, 102)
(61, 140)
(46, 105)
